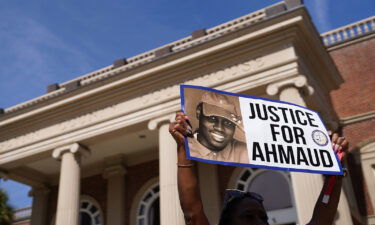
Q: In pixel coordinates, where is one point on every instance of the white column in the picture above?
(69, 184)
(39, 205)
(209, 186)
(170, 209)
(115, 194)
(306, 187)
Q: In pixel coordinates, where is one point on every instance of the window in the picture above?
(148, 212)
(90, 212)
(277, 201)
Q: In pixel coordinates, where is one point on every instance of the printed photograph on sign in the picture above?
(239, 130)
(218, 133)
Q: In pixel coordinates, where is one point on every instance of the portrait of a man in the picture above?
(218, 132)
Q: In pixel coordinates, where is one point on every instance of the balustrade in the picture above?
(349, 32)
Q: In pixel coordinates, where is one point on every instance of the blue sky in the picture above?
(44, 42)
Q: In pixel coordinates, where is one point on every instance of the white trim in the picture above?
(91, 202)
(146, 204)
(138, 198)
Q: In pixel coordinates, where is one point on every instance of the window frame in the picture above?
(95, 203)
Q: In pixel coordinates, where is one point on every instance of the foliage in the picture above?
(6, 211)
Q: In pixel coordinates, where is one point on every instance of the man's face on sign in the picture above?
(215, 132)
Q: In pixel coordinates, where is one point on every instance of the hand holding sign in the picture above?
(249, 131)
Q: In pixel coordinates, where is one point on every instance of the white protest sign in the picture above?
(249, 131)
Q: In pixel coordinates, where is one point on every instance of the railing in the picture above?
(349, 32)
(22, 214)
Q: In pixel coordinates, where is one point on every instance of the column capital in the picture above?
(38, 191)
(114, 170)
(154, 123)
(72, 148)
(299, 82)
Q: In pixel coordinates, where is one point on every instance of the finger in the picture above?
(345, 145)
(176, 133)
(181, 129)
(188, 121)
(340, 140)
(171, 126)
(330, 133)
(183, 121)
(334, 138)
(175, 127)
(179, 114)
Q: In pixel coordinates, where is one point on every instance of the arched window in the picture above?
(90, 212)
(148, 212)
(275, 187)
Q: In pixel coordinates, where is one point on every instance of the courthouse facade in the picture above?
(97, 147)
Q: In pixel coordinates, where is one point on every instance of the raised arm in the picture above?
(324, 214)
(188, 187)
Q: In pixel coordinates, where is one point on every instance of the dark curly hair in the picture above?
(226, 214)
(231, 199)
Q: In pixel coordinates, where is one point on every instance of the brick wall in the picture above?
(95, 187)
(52, 204)
(356, 65)
(135, 178)
(356, 96)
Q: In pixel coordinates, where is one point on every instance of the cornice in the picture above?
(143, 108)
(157, 69)
(256, 64)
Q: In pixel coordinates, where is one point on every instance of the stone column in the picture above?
(115, 194)
(170, 209)
(39, 205)
(69, 184)
(209, 186)
(306, 187)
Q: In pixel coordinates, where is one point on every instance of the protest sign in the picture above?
(240, 130)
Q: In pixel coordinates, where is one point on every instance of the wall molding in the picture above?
(357, 118)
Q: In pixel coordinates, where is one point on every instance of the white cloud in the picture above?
(32, 56)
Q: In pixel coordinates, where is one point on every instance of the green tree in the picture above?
(6, 211)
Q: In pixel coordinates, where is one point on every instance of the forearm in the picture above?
(325, 213)
(188, 186)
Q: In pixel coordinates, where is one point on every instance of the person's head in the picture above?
(243, 208)
(218, 119)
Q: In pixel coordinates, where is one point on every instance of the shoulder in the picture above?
(193, 146)
(241, 150)
(240, 146)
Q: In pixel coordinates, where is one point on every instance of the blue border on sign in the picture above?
(182, 94)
